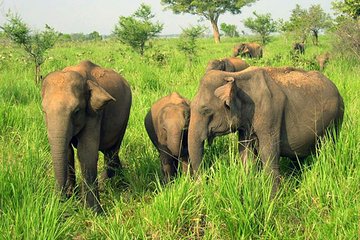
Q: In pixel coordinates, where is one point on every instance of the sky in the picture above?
(86, 16)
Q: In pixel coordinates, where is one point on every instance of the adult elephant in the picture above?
(252, 50)
(86, 107)
(166, 124)
(231, 64)
(276, 112)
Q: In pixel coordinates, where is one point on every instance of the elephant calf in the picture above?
(231, 64)
(251, 50)
(322, 60)
(166, 124)
(299, 48)
(86, 107)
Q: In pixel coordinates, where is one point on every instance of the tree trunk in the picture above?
(215, 30)
(315, 37)
(37, 73)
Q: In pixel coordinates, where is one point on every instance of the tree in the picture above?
(94, 36)
(318, 20)
(36, 45)
(209, 9)
(262, 24)
(348, 7)
(303, 21)
(229, 30)
(347, 28)
(187, 41)
(137, 29)
(298, 24)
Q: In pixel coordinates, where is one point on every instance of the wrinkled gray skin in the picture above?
(231, 64)
(166, 124)
(322, 60)
(86, 107)
(251, 50)
(299, 48)
(275, 111)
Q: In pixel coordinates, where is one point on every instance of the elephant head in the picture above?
(218, 108)
(68, 99)
(173, 120)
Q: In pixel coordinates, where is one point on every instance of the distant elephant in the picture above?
(86, 107)
(322, 60)
(275, 111)
(231, 64)
(299, 48)
(252, 50)
(166, 124)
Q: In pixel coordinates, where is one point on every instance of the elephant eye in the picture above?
(76, 111)
(205, 110)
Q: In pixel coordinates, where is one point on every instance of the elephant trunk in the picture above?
(196, 137)
(174, 143)
(59, 139)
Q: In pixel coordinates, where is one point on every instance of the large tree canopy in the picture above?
(209, 9)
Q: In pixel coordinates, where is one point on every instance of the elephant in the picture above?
(231, 64)
(275, 111)
(322, 60)
(85, 107)
(166, 124)
(299, 48)
(252, 50)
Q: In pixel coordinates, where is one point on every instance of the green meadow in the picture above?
(318, 201)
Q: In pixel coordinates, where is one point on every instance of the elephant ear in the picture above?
(98, 96)
(161, 130)
(224, 92)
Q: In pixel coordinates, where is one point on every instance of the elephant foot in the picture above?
(71, 189)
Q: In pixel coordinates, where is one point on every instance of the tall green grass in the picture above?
(319, 201)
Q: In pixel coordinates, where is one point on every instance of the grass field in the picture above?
(321, 201)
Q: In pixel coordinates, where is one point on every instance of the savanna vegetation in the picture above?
(318, 201)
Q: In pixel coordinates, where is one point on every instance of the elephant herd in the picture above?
(276, 112)
(321, 59)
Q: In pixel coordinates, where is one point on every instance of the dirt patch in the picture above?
(289, 76)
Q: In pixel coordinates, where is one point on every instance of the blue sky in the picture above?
(72, 16)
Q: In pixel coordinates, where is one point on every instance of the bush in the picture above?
(347, 38)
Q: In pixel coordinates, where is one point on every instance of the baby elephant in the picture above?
(322, 60)
(166, 124)
(299, 48)
(231, 64)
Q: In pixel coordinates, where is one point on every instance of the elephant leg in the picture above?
(71, 177)
(246, 147)
(90, 182)
(186, 166)
(168, 166)
(88, 146)
(112, 163)
(269, 152)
